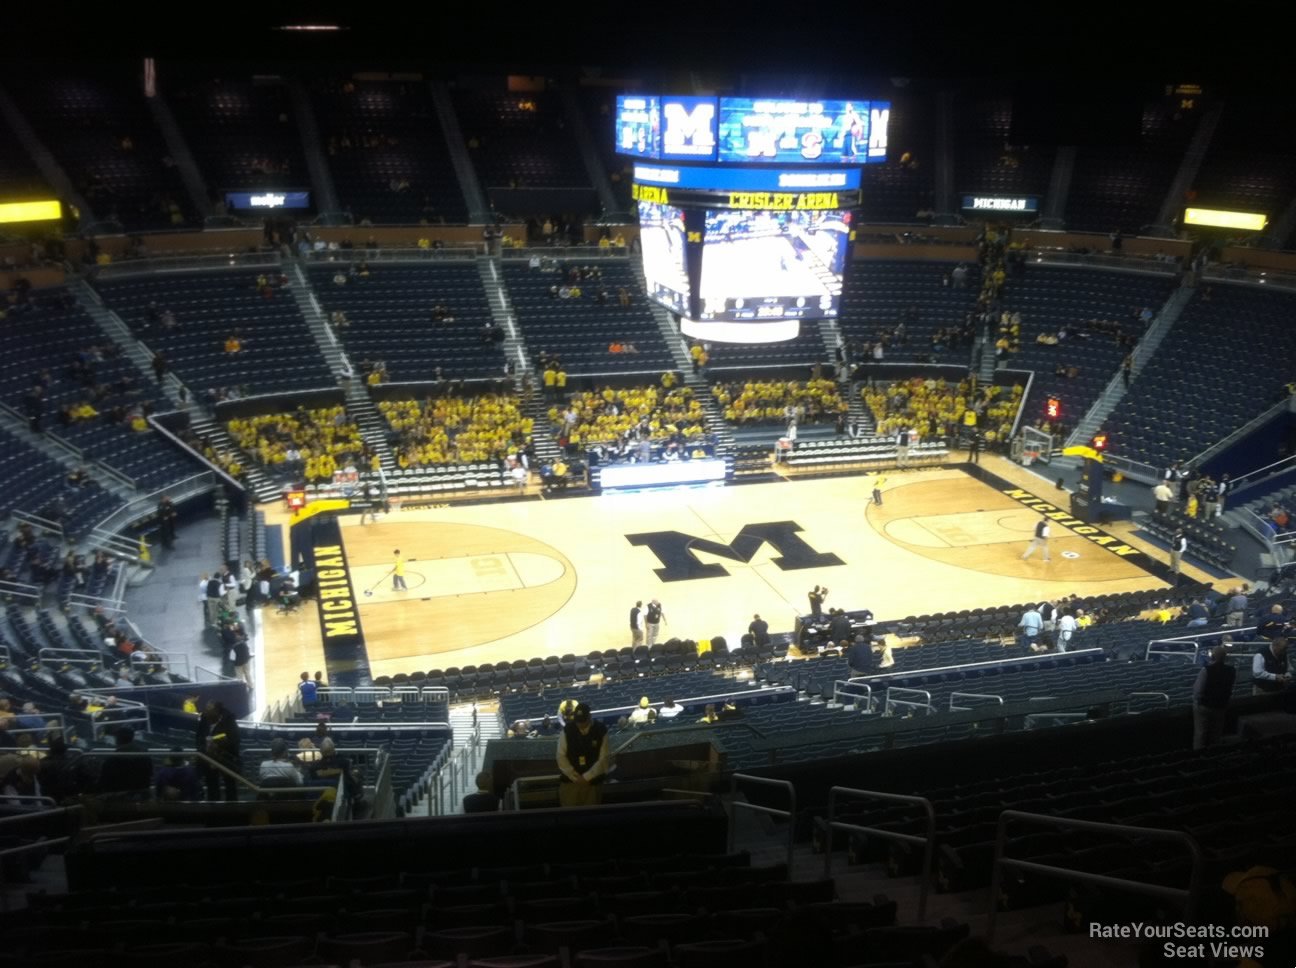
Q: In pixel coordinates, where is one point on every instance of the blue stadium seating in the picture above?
(985, 161)
(242, 132)
(877, 293)
(390, 315)
(1169, 415)
(523, 139)
(52, 337)
(279, 354)
(380, 132)
(84, 120)
(579, 331)
(1049, 297)
(1123, 187)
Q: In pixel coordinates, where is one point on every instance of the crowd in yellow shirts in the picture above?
(937, 408)
(774, 401)
(321, 440)
(451, 429)
(608, 414)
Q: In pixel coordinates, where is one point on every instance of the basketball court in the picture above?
(515, 580)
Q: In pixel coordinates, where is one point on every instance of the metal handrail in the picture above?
(583, 253)
(1191, 640)
(982, 664)
(170, 660)
(841, 690)
(219, 767)
(71, 656)
(389, 253)
(182, 263)
(928, 841)
(1029, 721)
(1236, 485)
(1162, 695)
(20, 590)
(789, 813)
(703, 700)
(971, 695)
(92, 602)
(1189, 896)
(889, 702)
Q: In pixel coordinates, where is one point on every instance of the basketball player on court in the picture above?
(398, 573)
(1039, 541)
(878, 481)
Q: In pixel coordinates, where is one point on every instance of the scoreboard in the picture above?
(741, 130)
(742, 236)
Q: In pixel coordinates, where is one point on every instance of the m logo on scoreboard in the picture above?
(678, 551)
(689, 127)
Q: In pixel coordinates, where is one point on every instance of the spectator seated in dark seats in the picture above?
(127, 775)
(484, 799)
(177, 779)
(279, 770)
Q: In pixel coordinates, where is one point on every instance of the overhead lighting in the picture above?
(312, 27)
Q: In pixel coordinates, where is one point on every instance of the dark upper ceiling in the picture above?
(1240, 46)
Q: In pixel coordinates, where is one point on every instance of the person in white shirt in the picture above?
(643, 715)
(669, 710)
(1066, 627)
(1164, 495)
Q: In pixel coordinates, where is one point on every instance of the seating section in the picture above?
(38, 485)
(611, 416)
(390, 318)
(904, 186)
(303, 445)
(599, 106)
(757, 402)
(1097, 309)
(386, 151)
(1123, 188)
(1166, 417)
(92, 396)
(688, 911)
(985, 160)
(1207, 540)
(450, 430)
(866, 451)
(805, 348)
(934, 408)
(1202, 793)
(879, 295)
(579, 331)
(1250, 164)
(242, 133)
(101, 131)
(278, 353)
(521, 139)
(416, 750)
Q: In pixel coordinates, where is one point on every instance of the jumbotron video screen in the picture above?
(661, 236)
(763, 265)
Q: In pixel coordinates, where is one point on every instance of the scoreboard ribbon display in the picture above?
(752, 201)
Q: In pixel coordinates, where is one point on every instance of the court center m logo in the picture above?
(676, 550)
